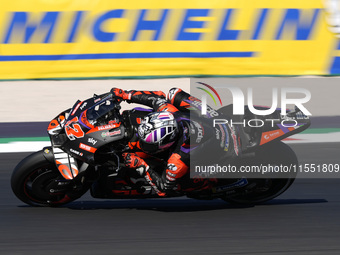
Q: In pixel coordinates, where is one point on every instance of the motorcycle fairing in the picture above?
(271, 130)
(73, 133)
(65, 163)
(280, 130)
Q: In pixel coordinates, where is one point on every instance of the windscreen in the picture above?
(102, 112)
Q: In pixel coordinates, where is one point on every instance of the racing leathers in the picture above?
(196, 135)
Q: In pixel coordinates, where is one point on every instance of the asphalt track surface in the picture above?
(304, 220)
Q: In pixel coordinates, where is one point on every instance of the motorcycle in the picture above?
(87, 142)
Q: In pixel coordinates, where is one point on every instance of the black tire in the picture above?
(273, 153)
(30, 180)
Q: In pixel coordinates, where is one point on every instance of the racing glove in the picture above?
(121, 94)
(132, 160)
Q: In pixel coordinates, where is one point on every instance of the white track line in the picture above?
(302, 138)
(23, 146)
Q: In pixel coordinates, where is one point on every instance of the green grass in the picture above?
(24, 139)
(320, 130)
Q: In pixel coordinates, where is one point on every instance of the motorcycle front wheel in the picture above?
(33, 178)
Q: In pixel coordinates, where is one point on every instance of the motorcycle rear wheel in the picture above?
(273, 153)
(31, 180)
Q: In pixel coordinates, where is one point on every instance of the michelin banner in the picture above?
(133, 38)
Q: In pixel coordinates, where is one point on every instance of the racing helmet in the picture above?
(157, 132)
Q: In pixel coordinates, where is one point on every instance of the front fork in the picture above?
(66, 184)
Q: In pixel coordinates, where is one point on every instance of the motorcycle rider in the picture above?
(169, 127)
